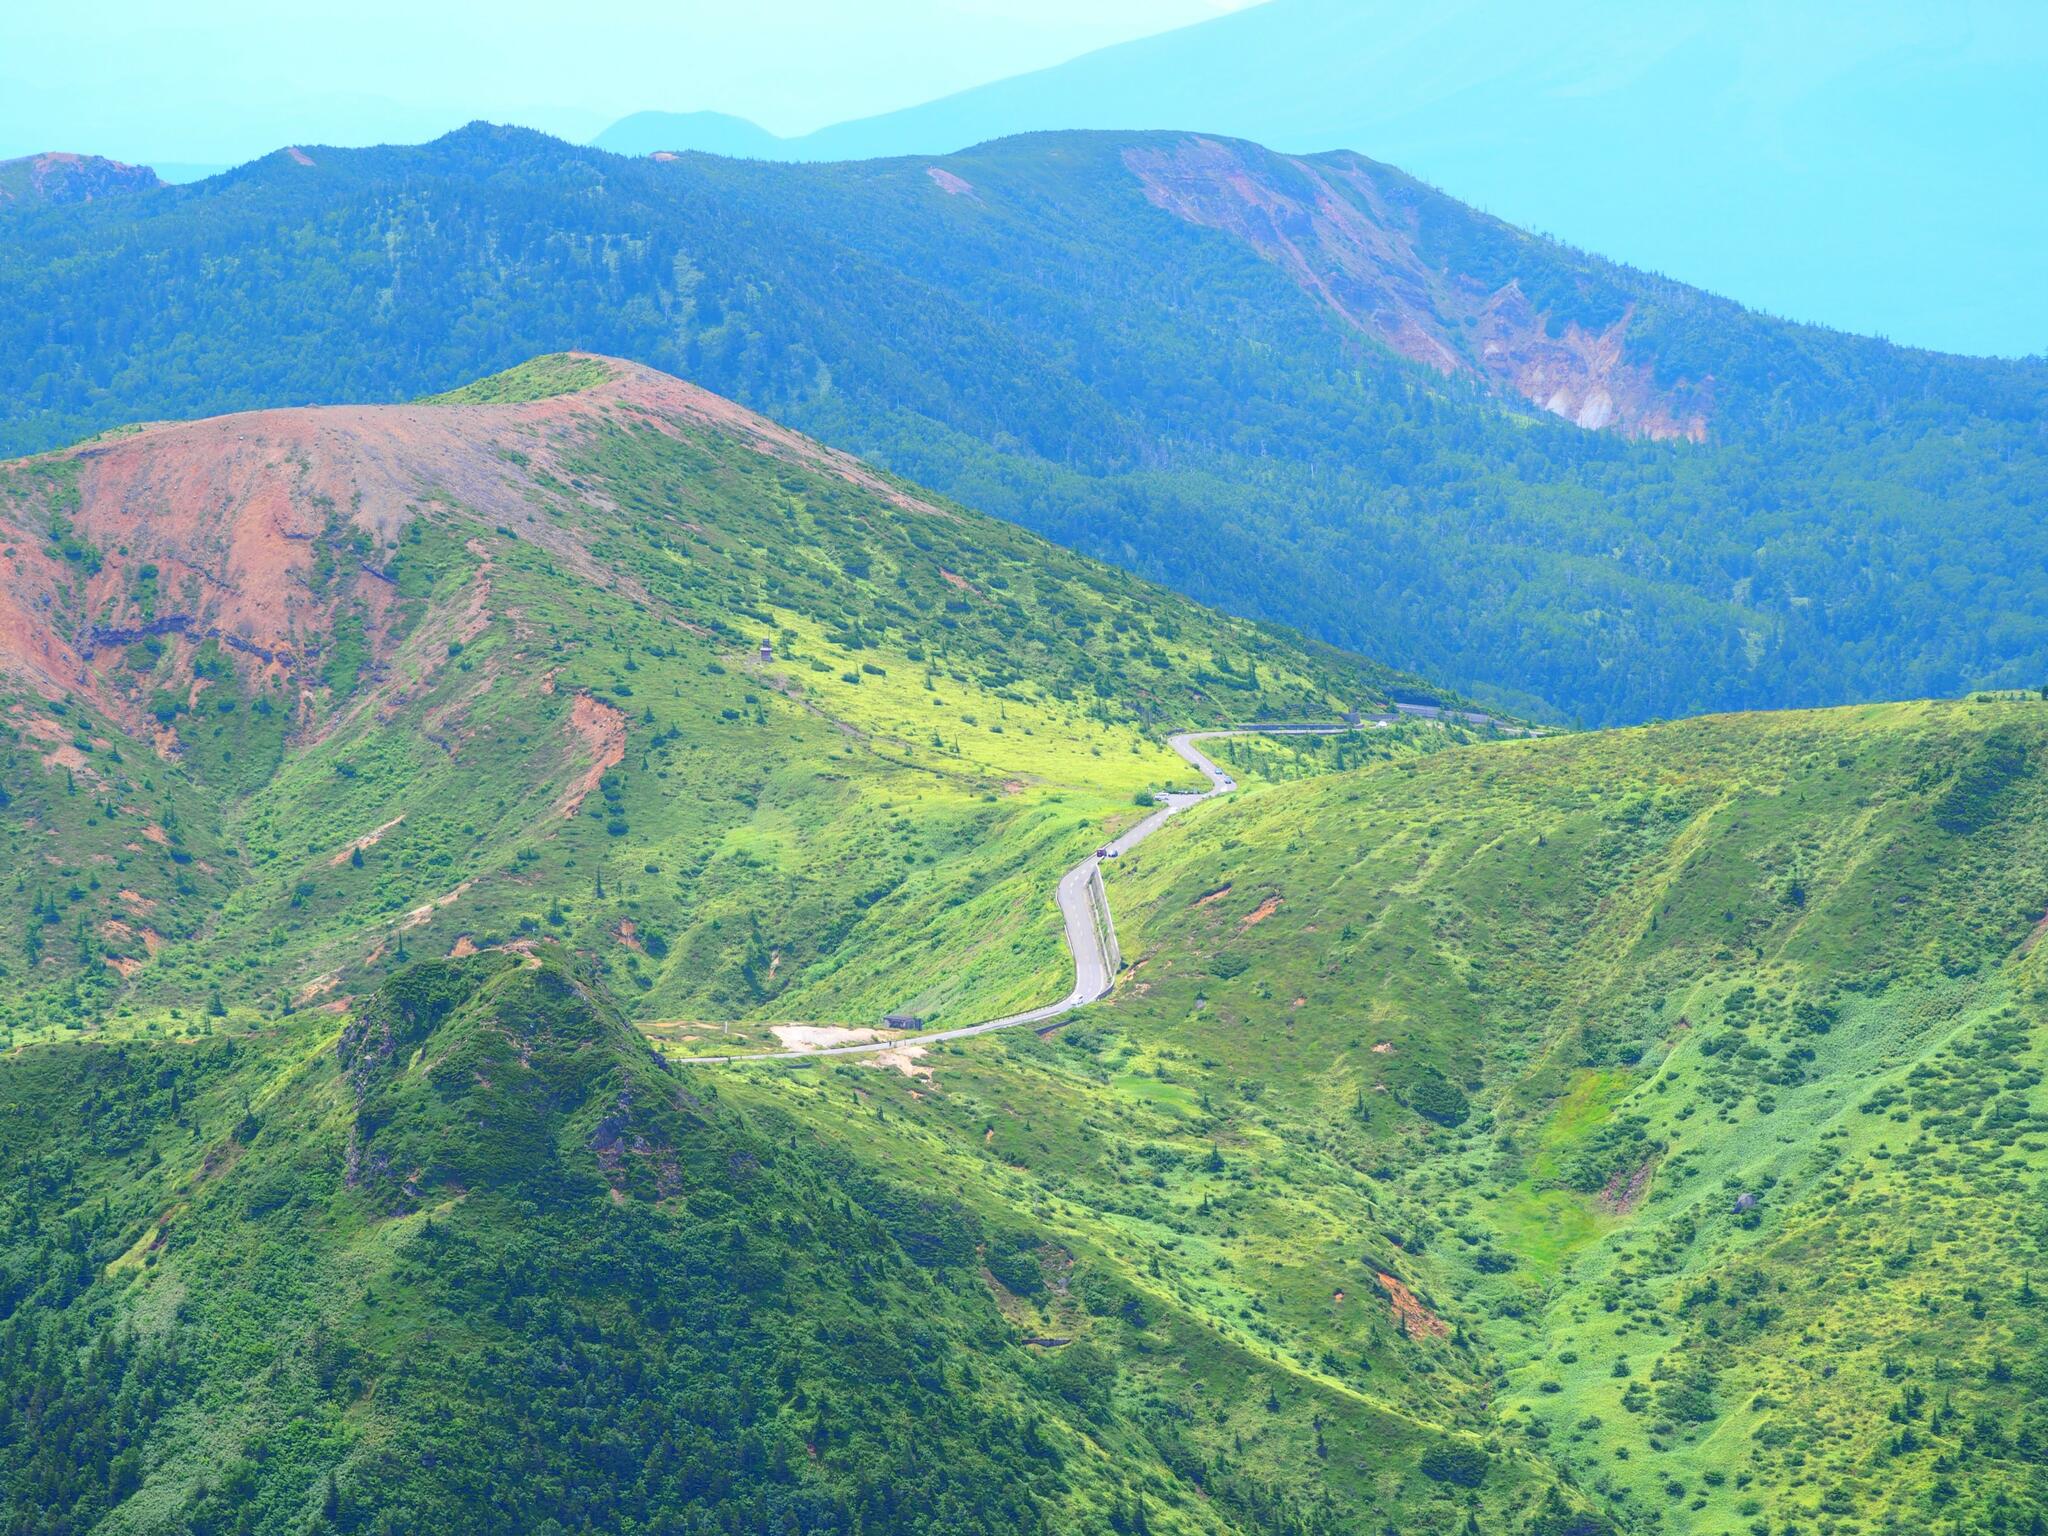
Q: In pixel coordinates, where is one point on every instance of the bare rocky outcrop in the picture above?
(1349, 238)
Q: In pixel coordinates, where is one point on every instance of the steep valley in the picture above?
(1667, 1104)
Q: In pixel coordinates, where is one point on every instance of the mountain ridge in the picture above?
(58, 179)
(1797, 132)
(1197, 403)
(255, 524)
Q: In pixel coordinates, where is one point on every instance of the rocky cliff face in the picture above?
(62, 178)
(1343, 228)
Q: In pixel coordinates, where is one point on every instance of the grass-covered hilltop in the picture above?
(1636, 1132)
(301, 696)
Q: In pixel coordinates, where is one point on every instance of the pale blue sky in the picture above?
(225, 80)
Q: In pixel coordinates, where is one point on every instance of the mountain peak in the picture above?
(715, 133)
(244, 509)
(57, 178)
(541, 378)
(502, 1069)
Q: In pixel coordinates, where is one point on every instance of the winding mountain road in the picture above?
(1091, 931)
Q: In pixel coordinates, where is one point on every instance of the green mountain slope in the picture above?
(1308, 389)
(1631, 1132)
(1695, 1072)
(372, 774)
(1665, 1105)
(476, 1261)
(304, 695)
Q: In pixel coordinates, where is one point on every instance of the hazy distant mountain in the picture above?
(714, 133)
(178, 172)
(1878, 167)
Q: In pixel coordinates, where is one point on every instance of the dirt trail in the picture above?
(816, 1037)
(362, 844)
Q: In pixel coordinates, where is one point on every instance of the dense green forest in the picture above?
(478, 1261)
(1862, 521)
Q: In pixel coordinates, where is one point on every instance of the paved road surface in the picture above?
(1093, 974)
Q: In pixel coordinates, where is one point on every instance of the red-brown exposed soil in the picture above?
(1339, 235)
(601, 730)
(362, 844)
(1625, 1189)
(318, 987)
(424, 912)
(1260, 913)
(66, 757)
(1412, 1315)
(256, 523)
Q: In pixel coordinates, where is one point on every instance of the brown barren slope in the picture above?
(257, 530)
(1338, 233)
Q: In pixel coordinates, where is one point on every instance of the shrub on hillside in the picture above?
(1435, 1097)
(1455, 1462)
